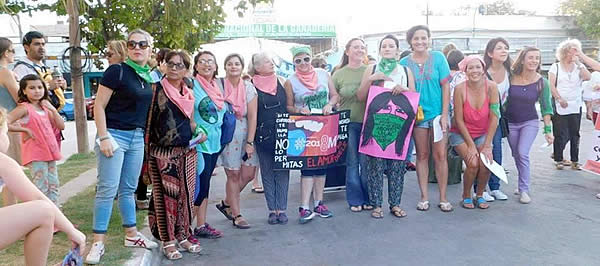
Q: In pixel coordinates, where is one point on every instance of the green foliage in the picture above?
(587, 15)
(183, 24)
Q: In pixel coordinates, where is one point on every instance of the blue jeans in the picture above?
(118, 173)
(411, 148)
(356, 169)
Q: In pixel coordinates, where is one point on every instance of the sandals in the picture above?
(468, 203)
(445, 206)
(356, 208)
(258, 190)
(241, 222)
(173, 254)
(367, 207)
(398, 212)
(377, 213)
(192, 248)
(224, 209)
(423, 205)
(482, 204)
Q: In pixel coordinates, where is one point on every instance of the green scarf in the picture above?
(142, 71)
(386, 128)
(387, 65)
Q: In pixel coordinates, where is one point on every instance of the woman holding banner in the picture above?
(238, 156)
(271, 99)
(347, 81)
(310, 90)
(527, 87)
(398, 79)
(431, 77)
(476, 113)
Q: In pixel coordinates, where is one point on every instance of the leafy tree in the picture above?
(500, 7)
(587, 15)
(184, 24)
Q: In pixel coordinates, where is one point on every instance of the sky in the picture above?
(351, 17)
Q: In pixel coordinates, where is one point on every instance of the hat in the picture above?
(463, 63)
(296, 50)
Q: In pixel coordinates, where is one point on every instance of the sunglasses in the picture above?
(11, 50)
(109, 54)
(206, 62)
(177, 66)
(298, 61)
(142, 44)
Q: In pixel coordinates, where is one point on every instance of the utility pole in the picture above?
(77, 77)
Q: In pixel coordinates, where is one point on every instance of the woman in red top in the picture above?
(476, 112)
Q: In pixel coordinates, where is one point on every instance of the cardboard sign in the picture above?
(311, 141)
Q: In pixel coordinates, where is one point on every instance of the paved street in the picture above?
(559, 227)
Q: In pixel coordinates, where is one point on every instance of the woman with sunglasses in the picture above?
(172, 165)
(238, 156)
(271, 99)
(9, 89)
(346, 80)
(209, 109)
(121, 109)
(388, 69)
(116, 52)
(431, 73)
(310, 90)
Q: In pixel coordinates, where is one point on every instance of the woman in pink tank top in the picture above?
(476, 113)
(37, 120)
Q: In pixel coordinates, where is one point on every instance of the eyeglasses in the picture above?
(177, 66)
(109, 54)
(298, 61)
(206, 62)
(142, 44)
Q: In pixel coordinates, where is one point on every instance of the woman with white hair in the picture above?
(271, 100)
(566, 77)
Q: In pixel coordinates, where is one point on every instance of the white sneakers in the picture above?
(497, 194)
(487, 197)
(139, 241)
(525, 199)
(95, 254)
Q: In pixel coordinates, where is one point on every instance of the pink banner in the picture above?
(388, 123)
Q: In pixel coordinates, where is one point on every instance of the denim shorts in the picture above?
(456, 139)
(425, 124)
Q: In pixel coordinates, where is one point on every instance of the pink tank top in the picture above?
(476, 121)
(44, 147)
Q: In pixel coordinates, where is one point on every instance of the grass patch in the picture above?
(76, 165)
(79, 210)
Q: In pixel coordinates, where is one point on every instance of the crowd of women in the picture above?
(173, 125)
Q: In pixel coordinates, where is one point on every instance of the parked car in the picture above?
(68, 112)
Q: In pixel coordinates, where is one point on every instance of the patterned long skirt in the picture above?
(173, 174)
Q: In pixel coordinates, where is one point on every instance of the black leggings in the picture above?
(210, 161)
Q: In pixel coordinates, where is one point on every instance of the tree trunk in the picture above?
(77, 77)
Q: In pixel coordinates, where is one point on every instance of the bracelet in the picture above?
(251, 143)
(547, 129)
(103, 138)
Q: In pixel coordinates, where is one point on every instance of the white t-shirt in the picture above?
(503, 87)
(569, 88)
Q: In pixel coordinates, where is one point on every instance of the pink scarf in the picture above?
(184, 102)
(308, 78)
(266, 84)
(236, 96)
(212, 90)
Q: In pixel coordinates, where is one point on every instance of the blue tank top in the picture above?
(311, 99)
(6, 100)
